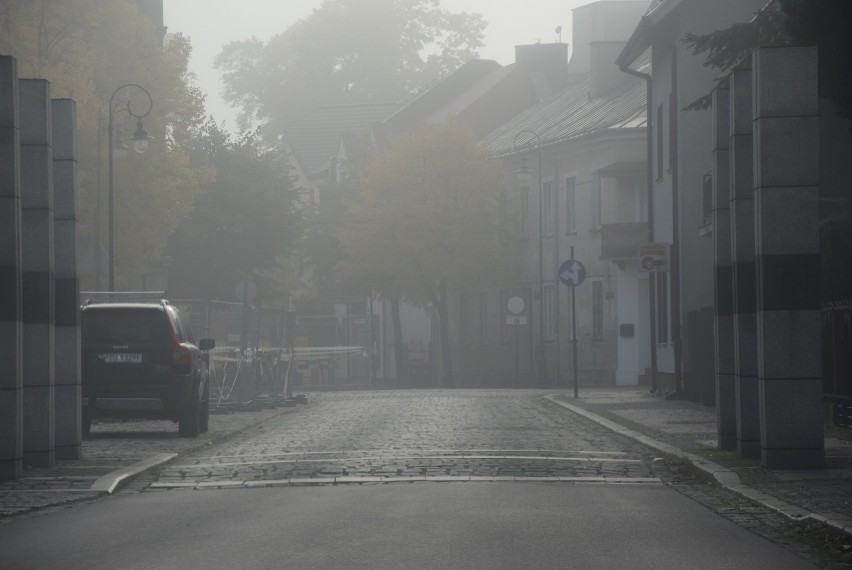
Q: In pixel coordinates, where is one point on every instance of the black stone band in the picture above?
(746, 287)
(724, 291)
(789, 282)
(38, 297)
(67, 302)
(10, 297)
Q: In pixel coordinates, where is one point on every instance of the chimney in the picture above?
(602, 21)
(550, 59)
(605, 74)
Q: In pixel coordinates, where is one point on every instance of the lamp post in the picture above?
(524, 175)
(140, 144)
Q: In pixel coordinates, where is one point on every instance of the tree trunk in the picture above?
(443, 315)
(400, 351)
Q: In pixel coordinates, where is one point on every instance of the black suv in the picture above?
(140, 360)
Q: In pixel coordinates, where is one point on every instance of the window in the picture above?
(548, 313)
(505, 334)
(672, 131)
(662, 284)
(570, 212)
(464, 325)
(595, 191)
(504, 209)
(597, 310)
(641, 192)
(483, 317)
(547, 211)
(707, 195)
(660, 142)
(524, 215)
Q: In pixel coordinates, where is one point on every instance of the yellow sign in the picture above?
(654, 257)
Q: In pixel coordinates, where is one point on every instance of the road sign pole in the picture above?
(572, 273)
(517, 359)
(574, 332)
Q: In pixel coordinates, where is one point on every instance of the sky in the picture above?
(211, 24)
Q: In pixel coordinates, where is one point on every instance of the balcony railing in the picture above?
(619, 241)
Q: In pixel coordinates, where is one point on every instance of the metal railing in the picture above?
(837, 358)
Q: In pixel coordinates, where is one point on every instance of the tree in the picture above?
(86, 49)
(824, 23)
(243, 222)
(347, 51)
(425, 224)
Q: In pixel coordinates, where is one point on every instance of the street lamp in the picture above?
(524, 176)
(140, 140)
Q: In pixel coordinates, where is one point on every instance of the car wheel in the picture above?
(189, 424)
(205, 411)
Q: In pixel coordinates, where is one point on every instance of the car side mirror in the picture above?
(206, 343)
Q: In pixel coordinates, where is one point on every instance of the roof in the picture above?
(640, 41)
(452, 86)
(571, 114)
(482, 94)
(316, 137)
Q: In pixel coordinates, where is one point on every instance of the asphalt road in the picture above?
(482, 479)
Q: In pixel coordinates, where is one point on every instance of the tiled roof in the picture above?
(316, 137)
(572, 113)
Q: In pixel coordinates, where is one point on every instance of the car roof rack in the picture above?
(92, 297)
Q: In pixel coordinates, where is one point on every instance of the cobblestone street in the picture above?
(445, 434)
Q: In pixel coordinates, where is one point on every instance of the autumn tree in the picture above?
(347, 51)
(87, 49)
(425, 224)
(244, 220)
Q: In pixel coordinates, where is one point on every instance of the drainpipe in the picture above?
(677, 329)
(652, 277)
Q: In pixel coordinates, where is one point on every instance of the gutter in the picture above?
(649, 135)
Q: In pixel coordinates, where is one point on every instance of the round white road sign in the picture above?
(516, 305)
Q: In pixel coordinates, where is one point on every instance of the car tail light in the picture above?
(181, 354)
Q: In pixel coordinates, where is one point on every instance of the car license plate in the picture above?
(122, 358)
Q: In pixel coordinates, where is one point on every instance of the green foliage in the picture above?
(243, 222)
(347, 51)
(726, 48)
(824, 23)
(87, 49)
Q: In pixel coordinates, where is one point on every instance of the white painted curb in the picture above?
(724, 476)
(109, 483)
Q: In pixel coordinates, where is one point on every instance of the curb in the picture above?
(722, 475)
(107, 484)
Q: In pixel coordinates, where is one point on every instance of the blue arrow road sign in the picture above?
(572, 273)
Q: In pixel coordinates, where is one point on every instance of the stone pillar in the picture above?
(67, 413)
(726, 405)
(742, 262)
(11, 330)
(37, 274)
(786, 151)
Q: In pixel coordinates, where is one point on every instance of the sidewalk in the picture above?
(688, 430)
(115, 452)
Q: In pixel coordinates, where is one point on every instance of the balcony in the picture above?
(620, 241)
